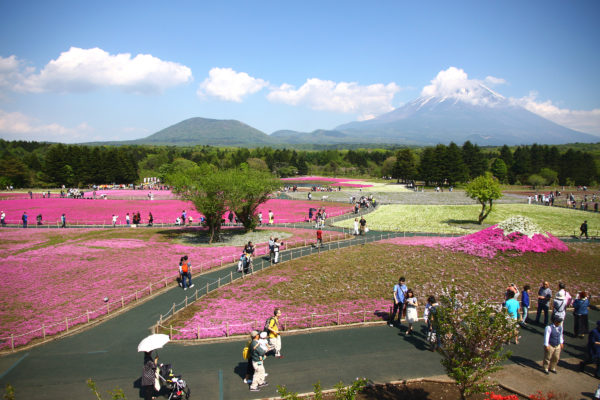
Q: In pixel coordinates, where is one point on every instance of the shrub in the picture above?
(472, 335)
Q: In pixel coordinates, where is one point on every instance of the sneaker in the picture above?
(391, 324)
(263, 385)
(279, 356)
(256, 389)
(184, 288)
(546, 371)
(191, 286)
(553, 371)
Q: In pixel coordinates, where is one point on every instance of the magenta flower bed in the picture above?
(233, 314)
(488, 242)
(99, 212)
(64, 284)
(325, 180)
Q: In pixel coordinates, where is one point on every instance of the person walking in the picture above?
(525, 304)
(39, 219)
(257, 355)
(149, 375)
(399, 294)
(114, 220)
(412, 316)
(271, 248)
(271, 217)
(544, 296)
(580, 314)
(319, 242)
(363, 225)
(355, 227)
(63, 221)
(559, 305)
(2, 218)
(592, 350)
(24, 219)
(512, 308)
(127, 220)
(430, 315)
(584, 230)
(274, 332)
(553, 344)
(186, 273)
(150, 219)
(276, 246)
(260, 218)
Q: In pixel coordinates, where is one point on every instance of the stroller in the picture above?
(177, 387)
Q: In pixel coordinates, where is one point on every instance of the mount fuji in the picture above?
(477, 114)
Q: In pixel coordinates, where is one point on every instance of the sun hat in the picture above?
(263, 335)
(254, 333)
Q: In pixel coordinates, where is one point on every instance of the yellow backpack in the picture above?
(246, 351)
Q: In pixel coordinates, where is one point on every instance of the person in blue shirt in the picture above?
(512, 307)
(580, 313)
(400, 290)
(24, 219)
(525, 303)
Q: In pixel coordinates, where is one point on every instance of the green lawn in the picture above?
(462, 219)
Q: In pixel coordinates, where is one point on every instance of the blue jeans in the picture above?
(542, 307)
(187, 275)
(524, 311)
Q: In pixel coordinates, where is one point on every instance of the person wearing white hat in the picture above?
(559, 305)
(257, 355)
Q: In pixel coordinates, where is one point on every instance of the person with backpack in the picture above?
(271, 248)
(257, 355)
(272, 328)
(185, 271)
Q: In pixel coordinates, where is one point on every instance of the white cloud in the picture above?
(580, 120)
(492, 80)
(18, 126)
(344, 97)
(81, 70)
(229, 85)
(454, 83)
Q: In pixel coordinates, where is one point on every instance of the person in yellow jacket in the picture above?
(275, 333)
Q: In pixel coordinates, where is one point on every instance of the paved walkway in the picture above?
(107, 354)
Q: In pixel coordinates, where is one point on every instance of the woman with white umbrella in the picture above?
(149, 376)
(150, 371)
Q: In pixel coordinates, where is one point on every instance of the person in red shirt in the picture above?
(319, 238)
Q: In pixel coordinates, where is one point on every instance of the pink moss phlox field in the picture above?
(99, 212)
(238, 316)
(334, 181)
(488, 242)
(67, 279)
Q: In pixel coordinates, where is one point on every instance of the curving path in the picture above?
(107, 353)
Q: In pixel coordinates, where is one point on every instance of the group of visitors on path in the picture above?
(259, 347)
(38, 218)
(405, 303)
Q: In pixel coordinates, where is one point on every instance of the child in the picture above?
(525, 304)
(411, 310)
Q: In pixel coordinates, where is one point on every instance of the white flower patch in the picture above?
(520, 224)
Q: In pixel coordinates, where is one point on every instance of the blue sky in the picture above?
(75, 71)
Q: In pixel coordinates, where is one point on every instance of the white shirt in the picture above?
(552, 328)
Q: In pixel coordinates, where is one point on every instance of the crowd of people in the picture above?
(405, 304)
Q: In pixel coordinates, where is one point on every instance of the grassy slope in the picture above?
(461, 219)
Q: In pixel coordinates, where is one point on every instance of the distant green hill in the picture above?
(213, 132)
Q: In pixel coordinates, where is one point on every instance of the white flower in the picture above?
(522, 225)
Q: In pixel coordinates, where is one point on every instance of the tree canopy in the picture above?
(485, 189)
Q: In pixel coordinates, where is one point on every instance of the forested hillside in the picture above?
(34, 164)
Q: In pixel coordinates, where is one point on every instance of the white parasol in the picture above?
(153, 342)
